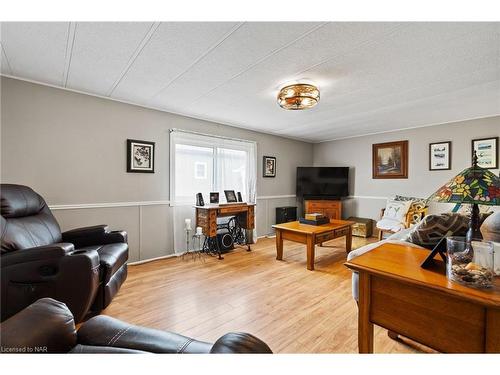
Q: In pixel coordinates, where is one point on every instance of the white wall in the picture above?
(370, 194)
(71, 148)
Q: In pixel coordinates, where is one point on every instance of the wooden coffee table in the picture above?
(312, 235)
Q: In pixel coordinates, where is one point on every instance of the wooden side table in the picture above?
(422, 304)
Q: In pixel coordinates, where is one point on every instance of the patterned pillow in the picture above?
(433, 227)
(417, 204)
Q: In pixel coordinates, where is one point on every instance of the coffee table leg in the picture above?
(348, 240)
(279, 245)
(310, 252)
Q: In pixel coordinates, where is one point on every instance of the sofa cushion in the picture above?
(434, 227)
(389, 224)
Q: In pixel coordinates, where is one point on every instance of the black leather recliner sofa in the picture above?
(84, 268)
(47, 326)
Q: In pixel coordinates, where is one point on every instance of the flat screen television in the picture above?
(322, 182)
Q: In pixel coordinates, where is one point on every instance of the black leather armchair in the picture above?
(84, 267)
(47, 326)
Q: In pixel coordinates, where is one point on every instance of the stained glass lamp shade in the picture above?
(474, 185)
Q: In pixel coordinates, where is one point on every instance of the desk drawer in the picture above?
(341, 232)
(232, 210)
(323, 237)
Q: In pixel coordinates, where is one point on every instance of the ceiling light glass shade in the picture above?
(298, 96)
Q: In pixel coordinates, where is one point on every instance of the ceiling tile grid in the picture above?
(373, 76)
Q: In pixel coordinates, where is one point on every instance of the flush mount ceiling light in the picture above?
(298, 96)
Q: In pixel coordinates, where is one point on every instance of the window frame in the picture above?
(178, 136)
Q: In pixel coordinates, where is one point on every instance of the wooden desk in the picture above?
(312, 235)
(206, 218)
(423, 305)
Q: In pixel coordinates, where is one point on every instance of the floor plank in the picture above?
(292, 309)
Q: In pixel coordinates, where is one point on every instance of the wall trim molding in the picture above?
(366, 197)
(136, 263)
(276, 196)
(78, 206)
(56, 207)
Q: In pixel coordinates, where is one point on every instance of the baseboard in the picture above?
(153, 259)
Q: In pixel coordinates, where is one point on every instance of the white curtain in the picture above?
(201, 163)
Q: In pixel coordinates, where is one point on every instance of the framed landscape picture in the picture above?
(140, 156)
(439, 156)
(487, 152)
(390, 160)
(269, 166)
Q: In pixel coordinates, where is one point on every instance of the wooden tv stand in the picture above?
(330, 208)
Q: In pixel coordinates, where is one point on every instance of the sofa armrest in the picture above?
(46, 326)
(53, 251)
(104, 331)
(240, 343)
(94, 235)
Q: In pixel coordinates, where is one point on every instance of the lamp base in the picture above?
(473, 232)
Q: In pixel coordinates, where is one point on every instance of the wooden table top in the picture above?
(296, 226)
(224, 205)
(403, 263)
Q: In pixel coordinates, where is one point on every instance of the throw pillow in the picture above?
(417, 204)
(433, 227)
(396, 210)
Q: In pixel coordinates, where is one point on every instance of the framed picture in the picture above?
(439, 156)
(487, 152)
(269, 166)
(140, 156)
(214, 197)
(230, 196)
(390, 160)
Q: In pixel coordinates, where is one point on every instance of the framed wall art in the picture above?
(269, 166)
(487, 152)
(390, 160)
(440, 156)
(140, 156)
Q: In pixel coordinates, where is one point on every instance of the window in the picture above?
(203, 163)
(200, 170)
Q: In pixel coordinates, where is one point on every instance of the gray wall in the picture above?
(369, 194)
(71, 147)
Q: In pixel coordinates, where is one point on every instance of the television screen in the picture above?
(322, 182)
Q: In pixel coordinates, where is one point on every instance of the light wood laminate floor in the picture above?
(292, 309)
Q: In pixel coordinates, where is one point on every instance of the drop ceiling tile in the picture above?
(101, 51)
(36, 50)
(251, 43)
(171, 50)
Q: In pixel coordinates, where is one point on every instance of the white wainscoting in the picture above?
(150, 224)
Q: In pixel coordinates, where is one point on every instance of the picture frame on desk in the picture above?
(230, 196)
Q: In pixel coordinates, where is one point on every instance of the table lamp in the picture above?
(474, 185)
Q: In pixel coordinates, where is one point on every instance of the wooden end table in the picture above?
(312, 235)
(422, 304)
